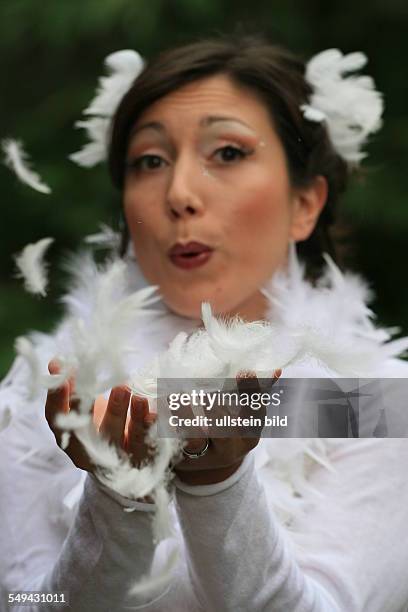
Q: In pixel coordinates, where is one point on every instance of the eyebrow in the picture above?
(204, 122)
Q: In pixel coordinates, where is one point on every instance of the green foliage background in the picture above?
(51, 53)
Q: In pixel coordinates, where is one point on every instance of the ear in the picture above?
(308, 202)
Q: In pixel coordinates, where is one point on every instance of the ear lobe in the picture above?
(308, 204)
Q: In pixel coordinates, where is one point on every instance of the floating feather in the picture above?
(26, 350)
(149, 584)
(95, 150)
(65, 438)
(106, 238)
(17, 160)
(31, 266)
(124, 67)
(100, 336)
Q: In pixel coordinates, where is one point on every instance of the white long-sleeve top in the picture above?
(349, 552)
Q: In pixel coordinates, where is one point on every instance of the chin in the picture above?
(191, 309)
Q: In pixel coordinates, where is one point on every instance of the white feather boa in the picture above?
(111, 335)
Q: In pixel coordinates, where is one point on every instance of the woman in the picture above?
(224, 163)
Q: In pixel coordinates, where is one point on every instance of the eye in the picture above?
(145, 162)
(229, 153)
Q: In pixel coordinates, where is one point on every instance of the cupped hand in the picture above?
(224, 455)
(111, 418)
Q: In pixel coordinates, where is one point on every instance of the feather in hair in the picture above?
(31, 266)
(350, 106)
(17, 160)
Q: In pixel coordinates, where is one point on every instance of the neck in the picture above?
(253, 309)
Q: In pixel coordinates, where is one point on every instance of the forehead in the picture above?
(217, 95)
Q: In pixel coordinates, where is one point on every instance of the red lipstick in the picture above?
(190, 255)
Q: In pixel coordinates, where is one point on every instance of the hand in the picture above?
(126, 432)
(224, 455)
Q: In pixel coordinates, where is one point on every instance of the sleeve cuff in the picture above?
(213, 489)
(128, 505)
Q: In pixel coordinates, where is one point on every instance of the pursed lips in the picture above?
(190, 255)
(189, 249)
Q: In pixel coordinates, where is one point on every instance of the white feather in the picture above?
(162, 525)
(31, 266)
(101, 335)
(124, 67)
(350, 106)
(331, 321)
(143, 385)
(106, 238)
(72, 420)
(149, 584)
(17, 160)
(97, 130)
(66, 371)
(65, 438)
(25, 349)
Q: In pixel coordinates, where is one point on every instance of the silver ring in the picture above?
(199, 453)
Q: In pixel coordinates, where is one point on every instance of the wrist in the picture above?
(206, 477)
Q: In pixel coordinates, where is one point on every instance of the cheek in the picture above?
(144, 225)
(263, 211)
(141, 218)
(133, 208)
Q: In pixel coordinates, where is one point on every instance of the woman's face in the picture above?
(205, 165)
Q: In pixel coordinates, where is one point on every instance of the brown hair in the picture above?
(277, 77)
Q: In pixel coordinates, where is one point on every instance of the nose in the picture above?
(183, 194)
